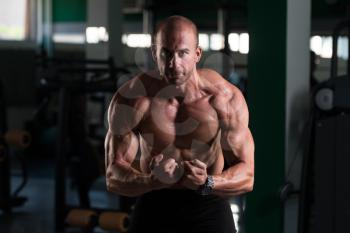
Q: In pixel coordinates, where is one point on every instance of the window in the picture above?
(14, 19)
(139, 40)
(233, 41)
(244, 43)
(238, 42)
(322, 46)
(216, 41)
(203, 41)
(96, 35)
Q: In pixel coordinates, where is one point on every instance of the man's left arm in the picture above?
(237, 145)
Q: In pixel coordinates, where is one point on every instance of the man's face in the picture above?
(176, 54)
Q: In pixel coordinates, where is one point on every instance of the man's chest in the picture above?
(182, 125)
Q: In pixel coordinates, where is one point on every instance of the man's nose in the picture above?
(173, 62)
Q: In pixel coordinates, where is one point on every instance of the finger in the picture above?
(155, 161)
(191, 177)
(170, 161)
(200, 171)
(195, 180)
(188, 166)
(170, 167)
(194, 170)
(158, 158)
(198, 163)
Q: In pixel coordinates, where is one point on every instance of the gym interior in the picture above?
(61, 61)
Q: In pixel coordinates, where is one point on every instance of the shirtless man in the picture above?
(191, 128)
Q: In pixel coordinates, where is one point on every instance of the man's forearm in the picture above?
(129, 181)
(234, 181)
(239, 152)
(130, 187)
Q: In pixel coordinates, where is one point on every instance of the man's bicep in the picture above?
(120, 154)
(121, 150)
(240, 142)
(236, 137)
(122, 116)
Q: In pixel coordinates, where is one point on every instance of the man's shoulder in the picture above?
(138, 86)
(219, 87)
(129, 104)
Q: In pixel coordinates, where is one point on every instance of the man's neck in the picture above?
(188, 91)
(189, 86)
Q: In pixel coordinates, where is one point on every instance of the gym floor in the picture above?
(37, 214)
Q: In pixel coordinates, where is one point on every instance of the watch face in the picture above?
(207, 187)
(210, 182)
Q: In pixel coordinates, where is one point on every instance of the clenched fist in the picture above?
(166, 170)
(195, 174)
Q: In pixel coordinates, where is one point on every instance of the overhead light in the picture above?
(95, 35)
(203, 41)
(139, 40)
(216, 41)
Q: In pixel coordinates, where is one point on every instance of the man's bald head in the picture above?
(173, 24)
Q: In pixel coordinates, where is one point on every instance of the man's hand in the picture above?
(195, 174)
(166, 170)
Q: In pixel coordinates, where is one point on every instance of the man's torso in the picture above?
(180, 130)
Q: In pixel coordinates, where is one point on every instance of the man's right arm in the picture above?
(121, 177)
(121, 146)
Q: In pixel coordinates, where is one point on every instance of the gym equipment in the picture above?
(324, 199)
(16, 138)
(19, 139)
(114, 221)
(74, 81)
(83, 218)
(108, 220)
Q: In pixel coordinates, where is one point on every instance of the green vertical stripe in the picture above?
(266, 99)
(69, 10)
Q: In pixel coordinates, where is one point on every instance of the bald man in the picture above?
(191, 128)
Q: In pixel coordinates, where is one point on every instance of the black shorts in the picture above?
(181, 211)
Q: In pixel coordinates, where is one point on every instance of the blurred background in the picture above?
(61, 61)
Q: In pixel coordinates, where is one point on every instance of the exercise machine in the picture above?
(73, 82)
(14, 138)
(324, 197)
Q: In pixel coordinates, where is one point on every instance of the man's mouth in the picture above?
(175, 75)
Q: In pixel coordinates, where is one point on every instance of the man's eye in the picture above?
(165, 54)
(181, 53)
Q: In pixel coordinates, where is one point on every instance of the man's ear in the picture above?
(154, 52)
(198, 53)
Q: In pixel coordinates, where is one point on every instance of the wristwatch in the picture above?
(207, 187)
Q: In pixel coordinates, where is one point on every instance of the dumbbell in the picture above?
(17, 138)
(108, 220)
(83, 218)
(114, 221)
